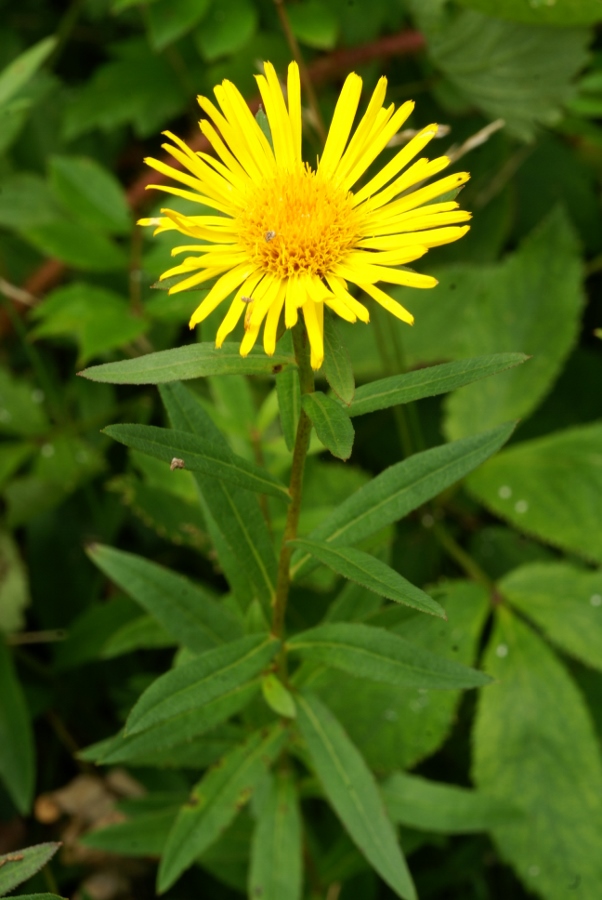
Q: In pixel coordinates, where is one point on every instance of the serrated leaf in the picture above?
(278, 697)
(352, 792)
(276, 867)
(332, 423)
(215, 801)
(371, 573)
(380, 655)
(338, 370)
(557, 784)
(549, 487)
(191, 686)
(429, 382)
(565, 602)
(560, 12)
(401, 488)
(183, 608)
(190, 361)
(198, 455)
(443, 808)
(17, 763)
(18, 866)
(20, 70)
(170, 19)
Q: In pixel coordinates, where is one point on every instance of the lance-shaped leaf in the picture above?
(289, 403)
(183, 608)
(338, 370)
(402, 488)
(183, 363)
(38, 897)
(20, 865)
(380, 655)
(215, 801)
(443, 808)
(333, 425)
(17, 764)
(429, 382)
(198, 455)
(191, 686)
(21, 69)
(276, 870)
(278, 697)
(352, 792)
(236, 525)
(371, 573)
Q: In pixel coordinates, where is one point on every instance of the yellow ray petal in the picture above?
(313, 313)
(273, 317)
(423, 195)
(241, 117)
(388, 303)
(376, 145)
(231, 135)
(399, 162)
(420, 171)
(188, 195)
(237, 307)
(373, 274)
(363, 129)
(339, 289)
(294, 109)
(278, 117)
(387, 237)
(357, 259)
(220, 290)
(341, 124)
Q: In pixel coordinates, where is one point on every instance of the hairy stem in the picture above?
(306, 379)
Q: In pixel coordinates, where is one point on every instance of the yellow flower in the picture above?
(289, 237)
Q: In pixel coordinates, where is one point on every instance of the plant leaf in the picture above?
(278, 697)
(18, 866)
(276, 868)
(289, 403)
(353, 794)
(215, 801)
(21, 70)
(371, 573)
(380, 655)
(189, 361)
(562, 12)
(17, 763)
(332, 423)
(338, 370)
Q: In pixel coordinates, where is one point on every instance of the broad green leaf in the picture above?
(143, 633)
(314, 23)
(332, 423)
(189, 361)
(170, 19)
(352, 604)
(396, 727)
(236, 525)
(429, 382)
(21, 409)
(276, 868)
(550, 487)
(338, 370)
(352, 792)
(560, 12)
(402, 488)
(198, 455)
(20, 70)
(182, 607)
(380, 655)
(91, 193)
(20, 865)
(371, 573)
(193, 685)
(215, 801)
(443, 808)
(14, 585)
(565, 602)
(519, 73)
(78, 245)
(278, 697)
(226, 28)
(289, 403)
(534, 742)
(26, 200)
(17, 762)
(166, 740)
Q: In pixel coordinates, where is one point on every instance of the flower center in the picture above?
(297, 223)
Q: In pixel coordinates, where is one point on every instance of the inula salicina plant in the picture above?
(296, 662)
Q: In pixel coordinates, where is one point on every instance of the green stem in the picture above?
(306, 380)
(463, 559)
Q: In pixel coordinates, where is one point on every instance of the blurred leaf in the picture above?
(565, 602)
(189, 361)
(338, 370)
(215, 801)
(560, 12)
(550, 488)
(371, 573)
(191, 686)
(558, 782)
(26, 201)
(276, 869)
(198, 455)
(12, 456)
(289, 403)
(90, 631)
(97, 319)
(142, 835)
(78, 245)
(443, 808)
(37, 897)
(170, 19)
(380, 655)
(143, 633)
(91, 193)
(353, 793)
(314, 24)
(183, 608)
(277, 696)
(17, 762)
(21, 410)
(18, 73)
(332, 423)
(401, 488)
(429, 382)
(226, 28)
(14, 587)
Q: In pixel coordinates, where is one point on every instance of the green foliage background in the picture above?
(496, 793)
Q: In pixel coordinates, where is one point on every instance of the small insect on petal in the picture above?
(177, 464)
(269, 236)
(247, 299)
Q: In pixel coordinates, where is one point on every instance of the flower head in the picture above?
(286, 237)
